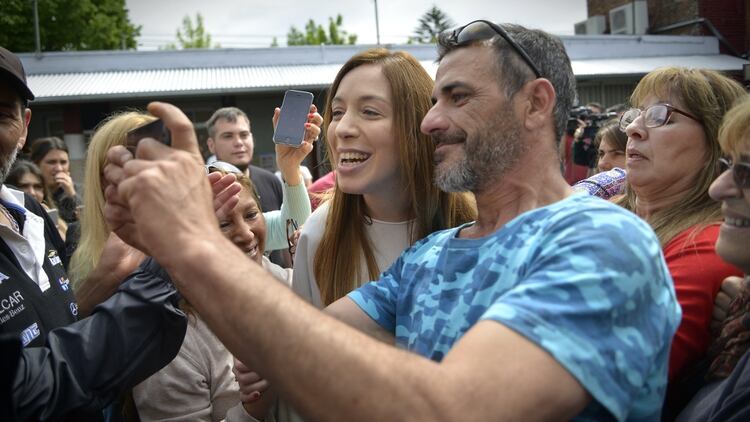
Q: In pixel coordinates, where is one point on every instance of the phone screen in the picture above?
(290, 129)
(155, 130)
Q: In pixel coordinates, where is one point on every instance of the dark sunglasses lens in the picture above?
(475, 31)
(741, 172)
(724, 165)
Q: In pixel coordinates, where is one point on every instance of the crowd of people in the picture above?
(447, 270)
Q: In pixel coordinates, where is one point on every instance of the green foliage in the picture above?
(192, 36)
(316, 34)
(67, 25)
(431, 24)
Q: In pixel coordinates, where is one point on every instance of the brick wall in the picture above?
(730, 17)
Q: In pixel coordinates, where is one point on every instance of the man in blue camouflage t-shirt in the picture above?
(551, 306)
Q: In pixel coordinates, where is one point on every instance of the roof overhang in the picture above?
(108, 75)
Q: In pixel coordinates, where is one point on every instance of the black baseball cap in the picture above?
(11, 70)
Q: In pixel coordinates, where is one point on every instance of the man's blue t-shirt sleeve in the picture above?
(378, 298)
(599, 299)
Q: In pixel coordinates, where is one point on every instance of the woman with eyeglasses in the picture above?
(199, 385)
(729, 355)
(384, 198)
(101, 259)
(672, 159)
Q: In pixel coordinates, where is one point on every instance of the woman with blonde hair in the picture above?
(384, 198)
(672, 158)
(119, 259)
(101, 259)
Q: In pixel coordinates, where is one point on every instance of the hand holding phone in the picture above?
(290, 129)
(156, 130)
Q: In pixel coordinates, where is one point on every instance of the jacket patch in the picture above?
(53, 258)
(64, 283)
(29, 334)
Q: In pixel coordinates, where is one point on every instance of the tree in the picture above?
(316, 34)
(192, 36)
(431, 24)
(67, 25)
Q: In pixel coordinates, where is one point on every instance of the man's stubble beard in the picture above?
(487, 156)
(6, 163)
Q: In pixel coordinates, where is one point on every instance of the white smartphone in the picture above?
(290, 129)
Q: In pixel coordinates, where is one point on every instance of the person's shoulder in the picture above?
(317, 221)
(261, 173)
(582, 217)
(283, 275)
(701, 232)
(594, 210)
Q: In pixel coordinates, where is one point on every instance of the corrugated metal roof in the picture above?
(176, 82)
(171, 82)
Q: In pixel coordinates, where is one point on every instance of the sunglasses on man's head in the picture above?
(740, 172)
(480, 30)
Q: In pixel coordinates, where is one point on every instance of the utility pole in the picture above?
(36, 30)
(377, 23)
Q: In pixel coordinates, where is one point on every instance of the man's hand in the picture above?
(162, 195)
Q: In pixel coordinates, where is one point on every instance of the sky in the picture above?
(253, 23)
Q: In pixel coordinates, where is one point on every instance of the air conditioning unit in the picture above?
(631, 18)
(592, 26)
(579, 28)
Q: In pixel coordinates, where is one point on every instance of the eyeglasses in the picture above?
(222, 166)
(740, 172)
(291, 228)
(655, 116)
(483, 30)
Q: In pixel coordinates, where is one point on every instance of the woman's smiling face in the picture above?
(361, 135)
(245, 226)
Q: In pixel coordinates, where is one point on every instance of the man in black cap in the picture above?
(52, 367)
(35, 294)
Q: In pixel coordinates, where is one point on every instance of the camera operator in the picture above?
(590, 119)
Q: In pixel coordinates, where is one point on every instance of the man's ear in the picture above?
(542, 98)
(210, 144)
(25, 132)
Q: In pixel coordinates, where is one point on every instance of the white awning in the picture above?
(641, 65)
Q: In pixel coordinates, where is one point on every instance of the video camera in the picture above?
(586, 115)
(584, 150)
